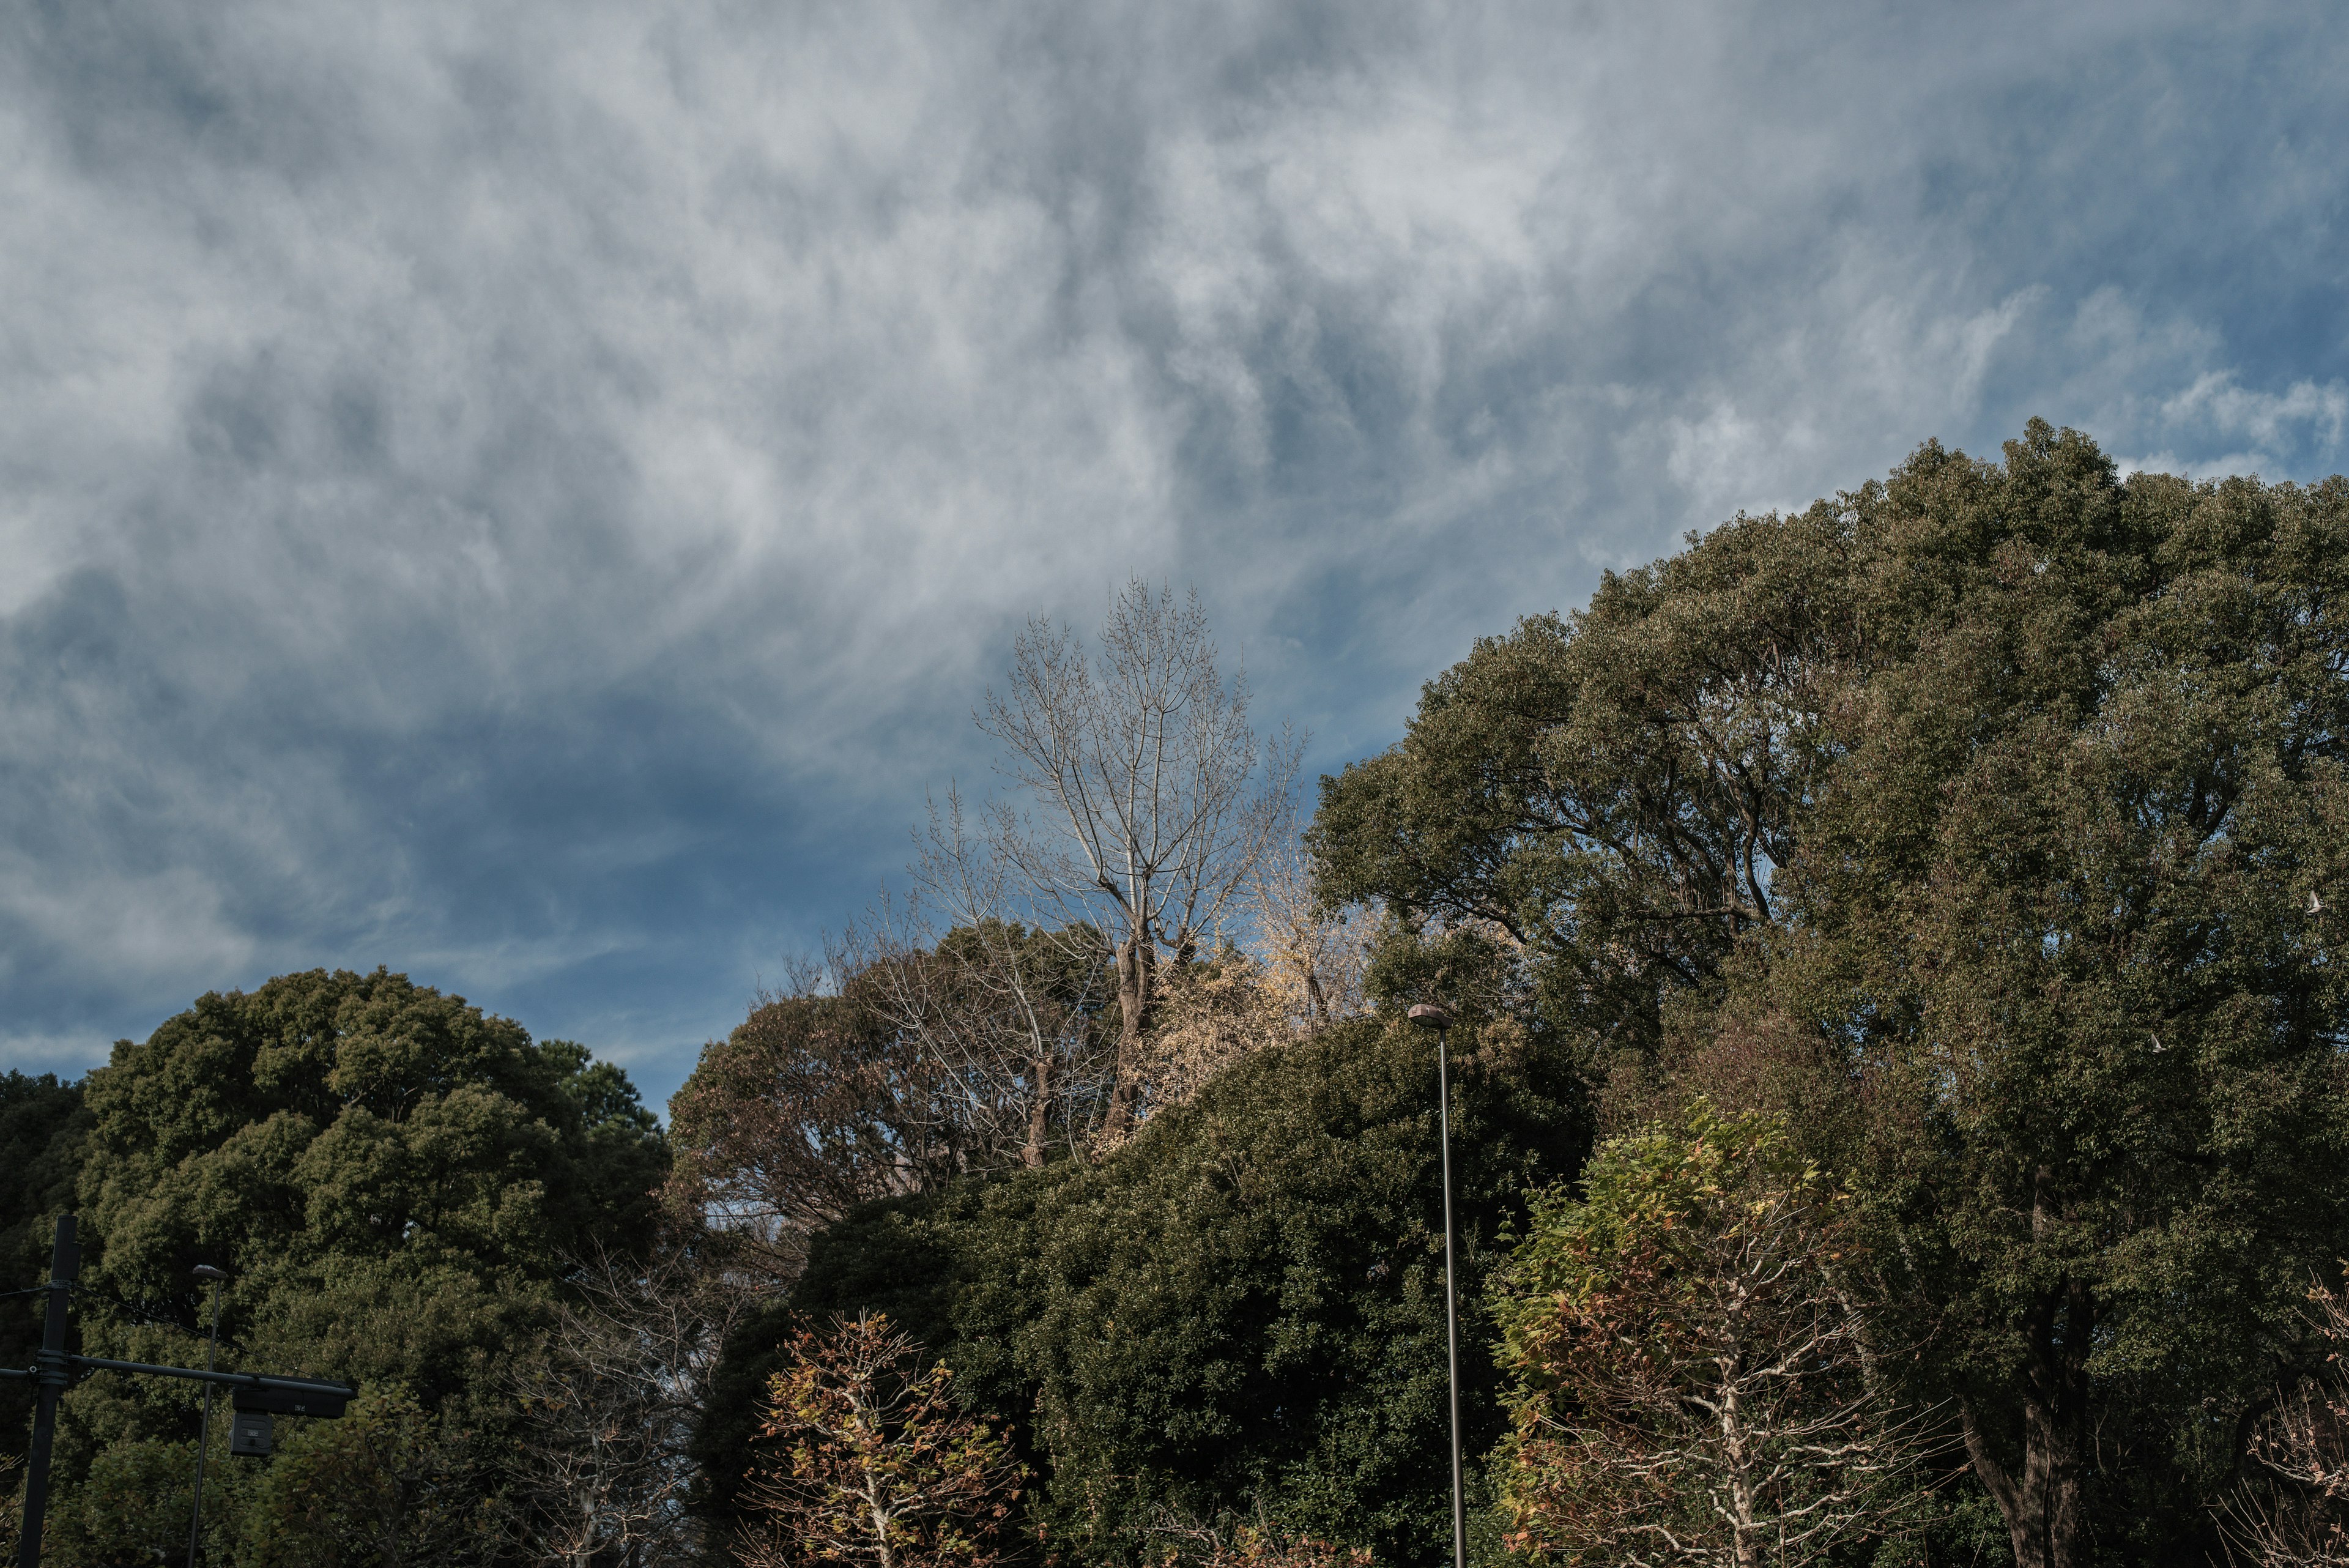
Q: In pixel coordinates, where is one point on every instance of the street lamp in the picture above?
(1427, 1015)
(212, 1277)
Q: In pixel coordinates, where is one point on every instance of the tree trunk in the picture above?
(2040, 1504)
(1137, 962)
(880, 1519)
(1040, 1109)
(1746, 1538)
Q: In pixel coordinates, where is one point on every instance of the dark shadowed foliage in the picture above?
(42, 1125)
(1240, 1310)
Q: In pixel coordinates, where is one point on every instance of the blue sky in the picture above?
(530, 495)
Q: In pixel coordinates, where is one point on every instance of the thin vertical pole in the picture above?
(65, 1263)
(204, 1431)
(1451, 1313)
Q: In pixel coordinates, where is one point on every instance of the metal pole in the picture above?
(204, 1430)
(1450, 1314)
(334, 1391)
(65, 1263)
(1427, 1015)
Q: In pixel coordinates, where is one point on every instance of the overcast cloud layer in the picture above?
(530, 494)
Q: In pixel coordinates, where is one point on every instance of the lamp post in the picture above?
(1427, 1015)
(212, 1276)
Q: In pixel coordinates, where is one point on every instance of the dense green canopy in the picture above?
(1997, 817)
(1985, 829)
(392, 1178)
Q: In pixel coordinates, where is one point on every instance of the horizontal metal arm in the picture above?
(230, 1379)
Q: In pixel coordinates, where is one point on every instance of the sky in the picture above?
(530, 495)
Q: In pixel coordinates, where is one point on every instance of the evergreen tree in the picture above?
(1996, 814)
(42, 1125)
(396, 1183)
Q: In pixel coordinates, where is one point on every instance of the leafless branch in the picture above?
(1154, 800)
(608, 1415)
(2294, 1512)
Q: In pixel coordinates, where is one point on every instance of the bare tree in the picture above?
(1696, 1384)
(1007, 1012)
(1287, 968)
(1206, 1016)
(1158, 798)
(600, 1475)
(1313, 959)
(2295, 1512)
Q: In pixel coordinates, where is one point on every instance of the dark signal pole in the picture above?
(1427, 1015)
(52, 1370)
(49, 1370)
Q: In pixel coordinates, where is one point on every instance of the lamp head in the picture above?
(206, 1271)
(1427, 1015)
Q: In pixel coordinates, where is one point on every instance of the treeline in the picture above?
(1900, 1114)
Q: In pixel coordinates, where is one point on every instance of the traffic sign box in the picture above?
(250, 1434)
(291, 1402)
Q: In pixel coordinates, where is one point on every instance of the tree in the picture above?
(1313, 957)
(1010, 1013)
(1238, 1311)
(1209, 1014)
(130, 1504)
(2016, 792)
(388, 1486)
(602, 1465)
(1612, 791)
(2065, 905)
(813, 1104)
(1695, 1383)
(42, 1125)
(1255, 1546)
(1141, 761)
(392, 1179)
(881, 1468)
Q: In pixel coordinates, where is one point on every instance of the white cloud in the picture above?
(537, 490)
(2215, 399)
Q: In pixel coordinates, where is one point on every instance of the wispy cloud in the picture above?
(531, 493)
(2302, 416)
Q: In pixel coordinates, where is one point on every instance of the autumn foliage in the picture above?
(877, 1466)
(1694, 1377)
